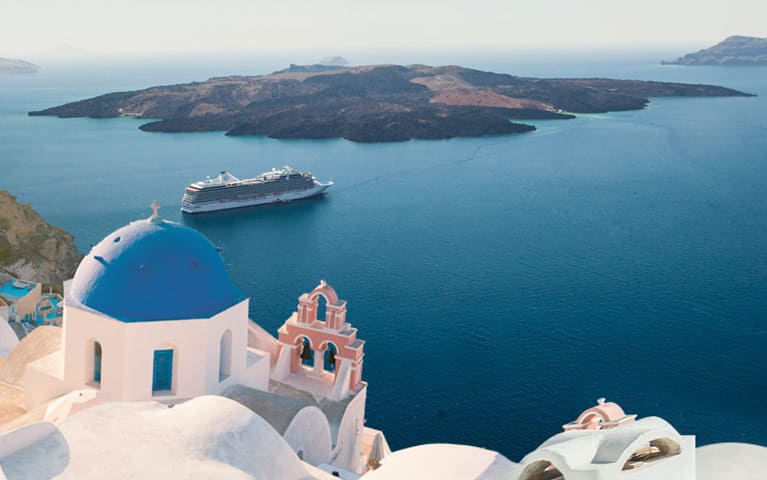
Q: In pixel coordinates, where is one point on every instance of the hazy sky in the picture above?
(160, 26)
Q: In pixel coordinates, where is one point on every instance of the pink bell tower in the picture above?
(602, 416)
(303, 330)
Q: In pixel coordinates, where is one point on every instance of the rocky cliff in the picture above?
(32, 249)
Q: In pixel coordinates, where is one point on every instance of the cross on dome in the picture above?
(155, 207)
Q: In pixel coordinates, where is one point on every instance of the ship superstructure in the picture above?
(227, 191)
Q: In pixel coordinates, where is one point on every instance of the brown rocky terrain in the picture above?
(375, 103)
(32, 249)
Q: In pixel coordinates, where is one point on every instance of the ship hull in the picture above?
(228, 204)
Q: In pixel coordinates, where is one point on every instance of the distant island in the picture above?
(735, 50)
(375, 103)
(9, 66)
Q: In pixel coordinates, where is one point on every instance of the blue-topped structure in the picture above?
(12, 293)
(153, 270)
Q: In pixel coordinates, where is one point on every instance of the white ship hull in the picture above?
(282, 197)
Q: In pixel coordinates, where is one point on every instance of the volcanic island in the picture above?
(375, 103)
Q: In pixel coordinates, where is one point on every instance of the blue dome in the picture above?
(154, 270)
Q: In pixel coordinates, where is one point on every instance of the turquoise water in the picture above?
(502, 284)
(11, 293)
(52, 314)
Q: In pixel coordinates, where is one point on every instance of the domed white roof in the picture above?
(154, 270)
(439, 461)
(203, 438)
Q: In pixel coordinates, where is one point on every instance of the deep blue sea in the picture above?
(502, 284)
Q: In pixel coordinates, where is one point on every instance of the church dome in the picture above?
(154, 270)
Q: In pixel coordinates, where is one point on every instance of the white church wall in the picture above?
(81, 329)
(187, 339)
(127, 360)
(43, 380)
(234, 320)
(343, 378)
(257, 373)
(282, 367)
(309, 435)
(348, 447)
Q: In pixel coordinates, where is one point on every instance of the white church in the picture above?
(152, 321)
(151, 315)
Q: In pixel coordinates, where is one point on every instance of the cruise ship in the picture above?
(227, 191)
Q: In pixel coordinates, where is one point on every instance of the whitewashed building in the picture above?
(152, 315)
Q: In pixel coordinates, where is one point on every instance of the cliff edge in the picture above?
(31, 248)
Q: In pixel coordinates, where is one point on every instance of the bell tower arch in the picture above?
(337, 352)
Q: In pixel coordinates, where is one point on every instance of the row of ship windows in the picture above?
(244, 191)
(292, 178)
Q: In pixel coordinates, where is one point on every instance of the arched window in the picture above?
(306, 353)
(322, 305)
(97, 362)
(329, 357)
(541, 470)
(225, 356)
(657, 449)
(162, 373)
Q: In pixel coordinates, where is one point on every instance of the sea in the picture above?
(502, 284)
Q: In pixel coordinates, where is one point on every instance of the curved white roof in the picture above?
(581, 449)
(739, 461)
(440, 461)
(206, 437)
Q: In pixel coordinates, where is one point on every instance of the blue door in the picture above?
(162, 378)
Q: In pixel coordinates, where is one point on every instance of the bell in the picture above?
(306, 353)
(332, 357)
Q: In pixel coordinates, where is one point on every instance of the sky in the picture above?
(148, 27)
